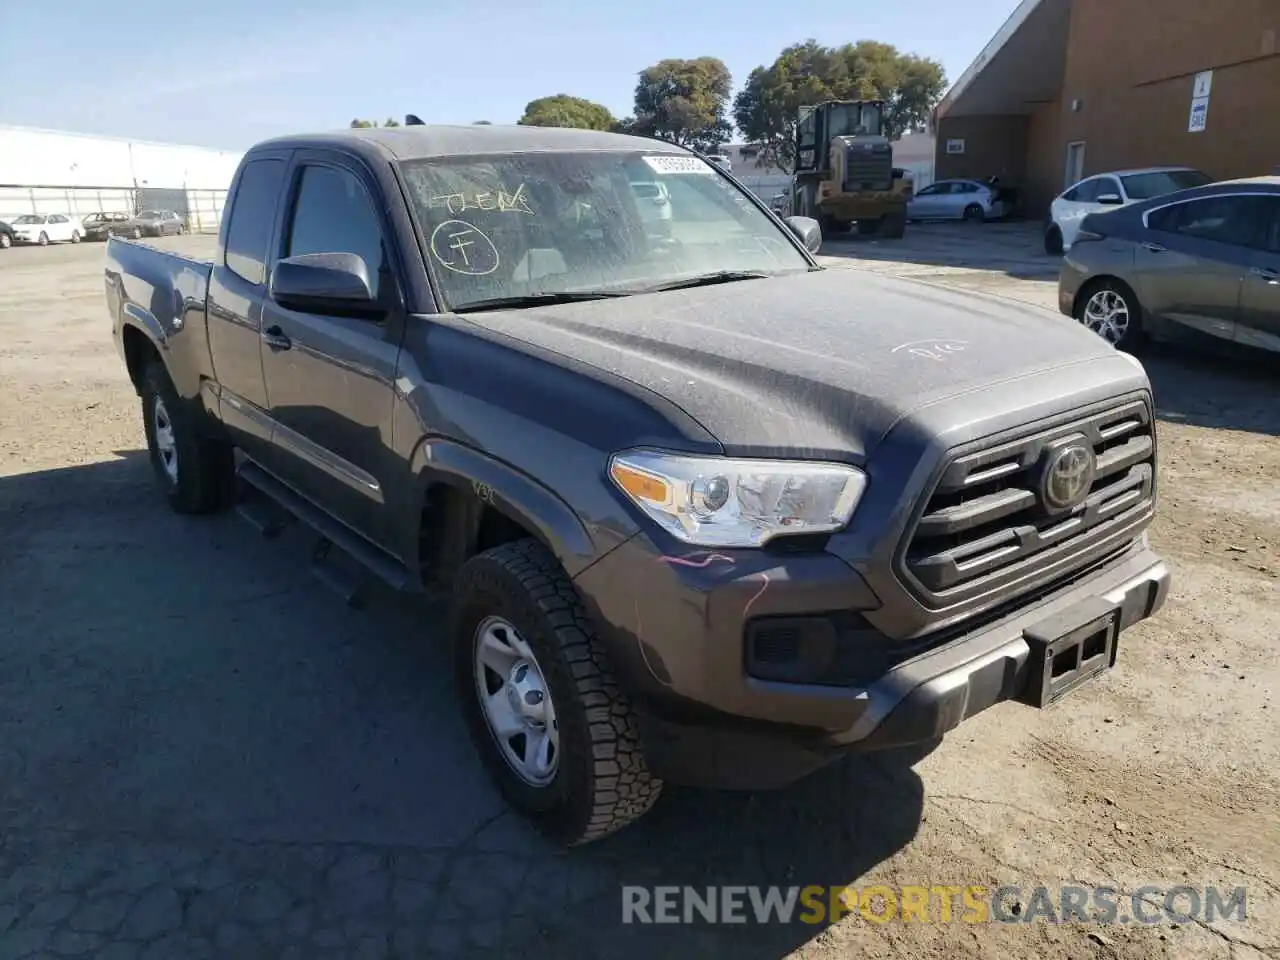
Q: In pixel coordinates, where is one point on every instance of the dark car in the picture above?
(1205, 260)
(151, 223)
(6, 236)
(99, 226)
(707, 512)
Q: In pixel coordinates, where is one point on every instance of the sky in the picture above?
(230, 73)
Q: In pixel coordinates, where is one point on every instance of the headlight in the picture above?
(719, 502)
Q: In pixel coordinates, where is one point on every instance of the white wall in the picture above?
(48, 158)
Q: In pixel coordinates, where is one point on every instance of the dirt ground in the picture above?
(203, 752)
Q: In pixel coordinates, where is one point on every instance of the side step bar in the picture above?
(332, 534)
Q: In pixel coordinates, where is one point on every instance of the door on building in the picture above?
(1259, 321)
(1075, 163)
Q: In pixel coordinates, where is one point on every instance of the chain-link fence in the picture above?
(201, 209)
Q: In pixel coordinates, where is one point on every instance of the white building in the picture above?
(50, 171)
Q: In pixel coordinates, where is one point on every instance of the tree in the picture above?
(365, 124)
(391, 122)
(686, 102)
(563, 110)
(808, 73)
(481, 123)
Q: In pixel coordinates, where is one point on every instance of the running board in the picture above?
(332, 533)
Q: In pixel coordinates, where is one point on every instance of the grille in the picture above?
(988, 521)
(868, 169)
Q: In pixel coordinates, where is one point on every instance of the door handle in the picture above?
(1266, 273)
(276, 339)
(1153, 247)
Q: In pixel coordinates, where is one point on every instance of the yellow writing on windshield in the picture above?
(499, 200)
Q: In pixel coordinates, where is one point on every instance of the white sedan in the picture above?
(45, 228)
(1106, 191)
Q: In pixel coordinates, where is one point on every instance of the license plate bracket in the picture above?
(1065, 655)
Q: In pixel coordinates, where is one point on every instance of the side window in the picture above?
(253, 213)
(1233, 220)
(332, 214)
(1109, 185)
(967, 188)
(943, 189)
(1086, 192)
(57, 218)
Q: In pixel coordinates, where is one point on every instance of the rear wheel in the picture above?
(195, 472)
(1111, 310)
(1053, 240)
(868, 228)
(5, 242)
(136, 234)
(544, 707)
(893, 226)
(973, 213)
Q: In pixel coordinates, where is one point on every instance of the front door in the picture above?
(1190, 269)
(1259, 321)
(330, 379)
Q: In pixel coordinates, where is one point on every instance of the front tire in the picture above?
(44, 239)
(5, 242)
(75, 236)
(1111, 310)
(1053, 240)
(543, 705)
(194, 471)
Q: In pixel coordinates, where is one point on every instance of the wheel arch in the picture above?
(1091, 286)
(140, 345)
(467, 501)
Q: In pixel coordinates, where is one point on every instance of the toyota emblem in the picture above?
(1068, 475)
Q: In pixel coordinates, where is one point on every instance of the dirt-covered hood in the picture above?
(821, 361)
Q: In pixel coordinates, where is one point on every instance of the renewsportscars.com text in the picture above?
(971, 903)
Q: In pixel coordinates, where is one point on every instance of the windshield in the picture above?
(1144, 186)
(30, 218)
(854, 119)
(534, 224)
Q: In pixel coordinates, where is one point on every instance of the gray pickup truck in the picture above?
(709, 513)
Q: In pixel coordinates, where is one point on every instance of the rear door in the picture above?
(1258, 324)
(1191, 262)
(330, 379)
(237, 289)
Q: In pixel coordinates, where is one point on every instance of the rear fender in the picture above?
(514, 494)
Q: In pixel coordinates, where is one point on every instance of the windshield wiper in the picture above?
(538, 300)
(707, 279)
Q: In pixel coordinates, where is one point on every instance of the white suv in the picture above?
(1105, 191)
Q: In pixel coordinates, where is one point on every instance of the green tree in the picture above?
(563, 110)
(481, 123)
(391, 122)
(685, 101)
(808, 73)
(362, 124)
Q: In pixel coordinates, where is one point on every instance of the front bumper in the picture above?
(707, 721)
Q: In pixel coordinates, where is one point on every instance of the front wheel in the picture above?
(544, 707)
(75, 236)
(44, 239)
(1111, 310)
(5, 242)
(195, 472)
(1053, 240)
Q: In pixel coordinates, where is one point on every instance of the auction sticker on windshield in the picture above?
(670, 164)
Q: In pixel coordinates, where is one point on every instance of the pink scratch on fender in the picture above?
(759, 593)
(706, 561)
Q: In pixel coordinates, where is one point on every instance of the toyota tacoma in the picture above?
(709, 513)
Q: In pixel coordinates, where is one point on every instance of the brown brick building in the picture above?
(1069, 88)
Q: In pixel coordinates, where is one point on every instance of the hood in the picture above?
(819, 362)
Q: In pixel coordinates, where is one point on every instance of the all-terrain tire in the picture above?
(868, 228)
(602, 781)
(205, 471)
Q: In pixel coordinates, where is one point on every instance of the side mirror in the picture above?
(322, 283)
(1110, 199)
(807, 230)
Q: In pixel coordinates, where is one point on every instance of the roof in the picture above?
(1267, 181)
(1021, 67)
(438, 140)
(1136, 171)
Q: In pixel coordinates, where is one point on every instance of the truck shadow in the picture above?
(1198, 388)
(183, 681)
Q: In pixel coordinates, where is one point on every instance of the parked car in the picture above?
(99, 226)
(1205, 260)
(721, 161)
(1100, 193)
(653, 202)
(151, 223)
(779, 202)
(7, 235)
(46, 228)
(972, 200)
(652, 511)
